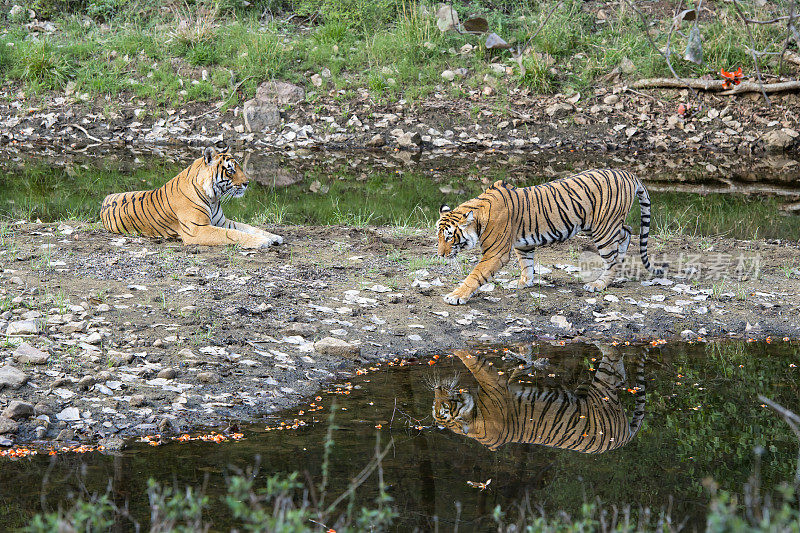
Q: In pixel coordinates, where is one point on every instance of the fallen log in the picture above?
(716, 85)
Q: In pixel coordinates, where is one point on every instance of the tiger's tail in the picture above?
(639, 403)
(644, 205)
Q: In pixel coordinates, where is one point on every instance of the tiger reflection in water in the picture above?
(590, 419)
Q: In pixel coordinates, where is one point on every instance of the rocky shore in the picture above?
(108, 337)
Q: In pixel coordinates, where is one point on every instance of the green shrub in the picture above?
(5, 57)
(203, 53)
(362, 15)
(97, 514)
(104, 10)
(48, 9)
(41, 65)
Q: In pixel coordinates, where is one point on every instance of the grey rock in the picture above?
(559, 110)
(69, 414)
(777, 141)
(22, 327)
(303, 329)
(280, 92)
(41, 432)
(138, 400)
(265, 170)
(12, 377)
(120, 358)
(86, 382)
(112, 443)
(65, 435)
(7, 425)
(167, 426)
(260, 116)
(336, 347)
(376, 141)
(17, 409)
(74, 327)
(208, 377)
(42, 408)
(27, 354)
(167, 373)
(94, 338)
(410, 139)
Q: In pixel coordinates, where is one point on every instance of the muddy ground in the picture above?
(128, 336)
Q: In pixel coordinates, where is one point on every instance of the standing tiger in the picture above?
(590, 419)
(189, 206)
(505, 217)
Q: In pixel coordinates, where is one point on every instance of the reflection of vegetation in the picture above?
(381, 197)
(674, 451)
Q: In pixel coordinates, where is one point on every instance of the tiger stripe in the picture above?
(506, 218)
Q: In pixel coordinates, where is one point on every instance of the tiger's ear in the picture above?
(444, 209)
(208, 155)
(468, 219)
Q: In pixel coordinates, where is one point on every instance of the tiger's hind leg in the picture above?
(625, 241)
(526, 266)
(611, 250)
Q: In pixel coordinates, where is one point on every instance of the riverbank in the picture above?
(127, 336)
(604, 119)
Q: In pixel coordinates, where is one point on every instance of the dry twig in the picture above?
(717, 85)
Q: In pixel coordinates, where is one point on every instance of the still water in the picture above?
(637, 426)
(692, 194)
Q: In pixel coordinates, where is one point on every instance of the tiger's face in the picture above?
(225, 178)
(457, 231)
(453, 409)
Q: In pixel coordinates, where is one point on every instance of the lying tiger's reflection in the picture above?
(590, 419)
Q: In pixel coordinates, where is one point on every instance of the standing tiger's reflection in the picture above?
(589, 419)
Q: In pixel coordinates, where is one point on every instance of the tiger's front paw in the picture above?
(271, 240)
(594, 286)
(524, 282)
(454, 299)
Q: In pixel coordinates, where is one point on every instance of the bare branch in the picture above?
(752, 47)
(789, 28)
(530, 39)
(716, 85)
(773, 21)
(666, 54)
(794, 422)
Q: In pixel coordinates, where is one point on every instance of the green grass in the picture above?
(155, 54)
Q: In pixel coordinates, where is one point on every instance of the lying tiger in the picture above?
(189, 206)
(506, 218)
(590, 419)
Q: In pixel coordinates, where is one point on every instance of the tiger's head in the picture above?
(221, 176)
(454, 409)
(458, 230)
